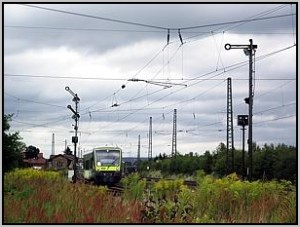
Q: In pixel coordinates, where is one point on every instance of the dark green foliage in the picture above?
(12, 147)
(219, 160)
(269, 162)
(31, 152)
(278, 162)
(68, 151)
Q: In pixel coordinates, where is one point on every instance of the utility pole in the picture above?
(174, 135)
(76, 116)
(139, 153)
(229, 145)
(65, 144)
(150, 140)
(53, 144)
(249, 50)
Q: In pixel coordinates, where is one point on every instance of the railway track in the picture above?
(189, 183)
(116, 190)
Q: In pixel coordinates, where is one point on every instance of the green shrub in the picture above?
(134, 187)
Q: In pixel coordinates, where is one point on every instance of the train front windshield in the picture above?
(108, 157)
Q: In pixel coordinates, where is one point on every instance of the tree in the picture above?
(219, 160)
(68, 151)
(12, 147)
(31, 152)
(208, 162)
(285, 166)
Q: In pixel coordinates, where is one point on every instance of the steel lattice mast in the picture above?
(174, 135)
(139, 152)
(150, 140)
(230, 144)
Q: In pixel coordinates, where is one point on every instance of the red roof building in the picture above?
(36, 163)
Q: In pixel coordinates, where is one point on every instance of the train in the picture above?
(103, 165)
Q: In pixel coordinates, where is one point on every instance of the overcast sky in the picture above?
(96, 48)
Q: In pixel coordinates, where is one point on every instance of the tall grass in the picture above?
(33, 196)
(134, 187)
(233, 201)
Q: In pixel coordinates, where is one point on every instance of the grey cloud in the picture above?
(168, 15)
(201, 117)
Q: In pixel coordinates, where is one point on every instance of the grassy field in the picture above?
(33, 196)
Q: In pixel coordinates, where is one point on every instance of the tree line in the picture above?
(14, 151)
(269, 162)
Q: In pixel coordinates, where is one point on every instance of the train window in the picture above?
(108, 157)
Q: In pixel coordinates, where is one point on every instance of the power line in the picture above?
(259, 14)
(139, 71)
(63, 118)
(230, 69)
(140, 31)
(275, 119)
(28, 100)
(274, 89)
(125, 79)
(269, 91)
(293, 27)
(155, 26)
(79, 29)
(162, 68)
(238, 21)
(96, 17)
(63, 77)
(226, 69)
(274, 108)
(238, 65)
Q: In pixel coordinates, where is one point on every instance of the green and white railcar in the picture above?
(103, 165)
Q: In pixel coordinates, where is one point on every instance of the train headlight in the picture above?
(98, 163)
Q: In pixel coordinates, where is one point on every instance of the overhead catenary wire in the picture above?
(168, 34)
(275, 119)
(159, 71)
(236, 79)
(155, 26)
(274, 108)
(124, 78)
(228, 28)
(269, 91)
(80, 29)
(126, 30)
(43, 124)
(137, 31)
(96, 17)
(135, 75)
(218, 49)
(33, 101)
(262, 57)
(229, 68)
(237, 65)
(264, 13)
(293, 27)
(237, 21)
